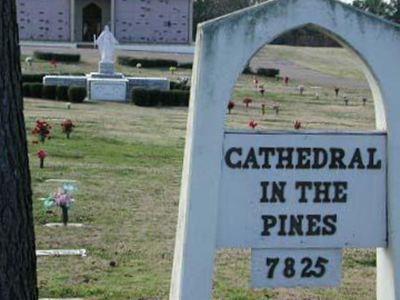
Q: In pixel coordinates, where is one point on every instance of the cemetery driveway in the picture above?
(308, 75)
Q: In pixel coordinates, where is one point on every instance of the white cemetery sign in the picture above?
(295, 199)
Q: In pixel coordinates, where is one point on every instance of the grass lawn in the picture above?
(128, 163)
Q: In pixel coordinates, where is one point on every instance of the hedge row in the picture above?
(267, 72)
(60, 57)
(176, 85)
(146, 62)
(152, 62)
(62, 93)
(39, 77)
(185, 65)
(143, 97)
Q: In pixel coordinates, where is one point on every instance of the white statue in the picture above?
(106, 43)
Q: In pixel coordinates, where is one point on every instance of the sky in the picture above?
(351, 1)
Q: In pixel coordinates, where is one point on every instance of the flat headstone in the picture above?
(62, 252)
(60, 298)
(70, 225)
(61, 180)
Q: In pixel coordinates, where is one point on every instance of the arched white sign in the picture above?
(224, 47)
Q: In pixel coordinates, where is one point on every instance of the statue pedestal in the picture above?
(107, 89)
(106, 85)
(106, 68)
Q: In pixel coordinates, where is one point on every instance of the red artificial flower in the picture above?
(231, 105)
(247, 101)
(54, 63)
(42, 130)
(253, 124)
(262, 90)
(297, 125)
(67, 127)
(42, 154)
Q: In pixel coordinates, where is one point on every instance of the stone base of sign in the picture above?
(107, 89)
(61, 252)
(69, 225)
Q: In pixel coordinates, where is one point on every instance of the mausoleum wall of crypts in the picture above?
(155, 21)
(44, 20)
(134, 21)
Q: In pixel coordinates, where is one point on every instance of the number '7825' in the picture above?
(308, 268)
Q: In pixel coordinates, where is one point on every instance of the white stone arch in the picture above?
(223, 48)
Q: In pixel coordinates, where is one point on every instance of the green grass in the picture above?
(128, 163)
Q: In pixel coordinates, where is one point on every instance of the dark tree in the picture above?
(17, 240)
(377, 7)
(395, 6)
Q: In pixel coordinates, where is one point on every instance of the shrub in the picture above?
(143, 97)
(76, 94)
(32, 77)
(62, 93)
(248, 70)
(146, 62)
(181, 97)
(147, 98)
(268, 72)
(39, 77)
(60, 57)
(179, 85)
(185, 65)
(49, 92)
(36, 90)
(26, 89)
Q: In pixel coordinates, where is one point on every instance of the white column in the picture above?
(72, 21)
(113, 16)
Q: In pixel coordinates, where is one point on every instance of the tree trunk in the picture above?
(17, 239)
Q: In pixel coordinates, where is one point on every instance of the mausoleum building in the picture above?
(131, 21)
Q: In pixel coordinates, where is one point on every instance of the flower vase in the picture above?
(68, 135)
(64, 210)
(41, 163)
(42, 138)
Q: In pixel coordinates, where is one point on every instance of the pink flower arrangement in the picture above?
(63, 199)
(255, 82)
